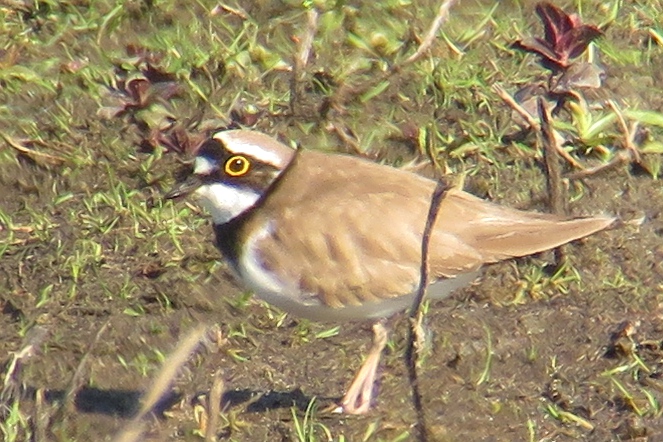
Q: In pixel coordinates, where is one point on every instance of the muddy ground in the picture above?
(111, 277)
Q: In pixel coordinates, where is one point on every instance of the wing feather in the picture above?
(371, 250)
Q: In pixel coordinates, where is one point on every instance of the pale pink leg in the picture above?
(360, 394)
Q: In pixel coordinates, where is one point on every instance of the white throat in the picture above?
(225, 202)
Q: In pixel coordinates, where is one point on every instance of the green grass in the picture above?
(15, 425)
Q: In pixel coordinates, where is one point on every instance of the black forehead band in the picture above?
(213, 150)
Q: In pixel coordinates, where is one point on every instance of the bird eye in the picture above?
(237, 165)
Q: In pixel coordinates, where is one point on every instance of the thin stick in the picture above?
(531, 121)
(169, 369)
(620, 158)
(214, 407)
(302, 57)
(556, 199)
(513, 104)
(68, 405)
(306, 42)
(18, 145)
(415, 311)
(76, 381)
(346, 137)
(628, 134)
(41, 416)
(11, 387)
(440, 18)
(550, 157)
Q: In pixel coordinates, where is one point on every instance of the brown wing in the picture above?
(364, 225)
(360, 257)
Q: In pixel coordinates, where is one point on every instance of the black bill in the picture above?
(185, 187)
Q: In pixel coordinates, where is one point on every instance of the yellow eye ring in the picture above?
(237, 165)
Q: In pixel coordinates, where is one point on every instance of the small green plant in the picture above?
(307, 429)
(14, 425)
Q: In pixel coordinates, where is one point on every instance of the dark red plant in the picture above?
(139, 83)
(566, 37)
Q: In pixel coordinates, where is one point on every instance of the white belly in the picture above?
(269, 288)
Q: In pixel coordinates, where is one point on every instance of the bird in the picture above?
(337, 238)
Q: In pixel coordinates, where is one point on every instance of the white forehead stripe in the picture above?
(203, 166)
(252, 144)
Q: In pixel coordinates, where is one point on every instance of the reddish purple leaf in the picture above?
(565, 37)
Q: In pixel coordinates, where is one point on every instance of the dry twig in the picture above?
(162, 382)
(628, 134)
(556, 198)
(620, 158)
(11, 387)
(440, 18)
(214, 407)
(77, 381)
(509, 100)
(346, 137)
(415, 311)
(531, 121)
(37, 156)
(301, 59)
(550, 149)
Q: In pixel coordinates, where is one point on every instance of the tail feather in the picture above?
(534, 236)
(499, 232)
